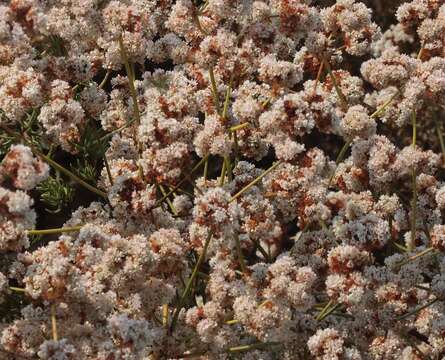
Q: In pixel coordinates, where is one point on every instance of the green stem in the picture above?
(239, 127)
(327, 310)
(17, 289)
(228, 168)
(235, 140)
(206, 169)
(222, 177)
(343, 101)
(227, 99)
(189, 284)
(176, 187)
(54, 231)
(214, 90)
(385, 105)
(54, 322)
(107, 167)
(123, 127)
(414, 257)
(105, 79)
(339, 159)
(70, 174)
(255, 181)
(249, 347)
(170, 204)
(415, 311)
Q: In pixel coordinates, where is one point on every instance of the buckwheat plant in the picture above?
(222, 179)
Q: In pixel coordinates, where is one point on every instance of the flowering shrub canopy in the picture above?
(222, 179)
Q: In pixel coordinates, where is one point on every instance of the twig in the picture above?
(17, 289)
(107, 167)
(189, 284)
(105, 79)
(249, 347)
(176, 187)
(415, 311)
(385, 105)
(214, 90)
(68, 173)
(255, 181)
(54, 322)
(339, 159)
(343, 101)
(54, 231)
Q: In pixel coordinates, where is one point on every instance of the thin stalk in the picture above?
(414, 257)
(190, 283)
(339, 159)
(239, 127)
(240, 253)
(222, 177)
(343, 101)
(323, 311)
(214, 90)
(235, 140)
(255, 181)
(107, 167)
(399, 247)
(17, 289)
(317, 80)
(165, 315)
(384, 106)
(182, 191)
(69, 174)
(249, 347)
(228, 168)
(206, 169)
(262, 251)
(328, 310)
(170, 204)
(227, 99)
(119, 129)
(415, 311)
(105, 79)
(54, 231)
(54, 322)
(266, 103)
(420, 53)
(176, 187)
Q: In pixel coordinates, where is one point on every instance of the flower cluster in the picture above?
(257, 179)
